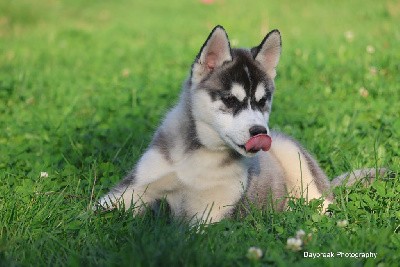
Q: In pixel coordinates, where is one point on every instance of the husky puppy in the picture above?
(214, 149)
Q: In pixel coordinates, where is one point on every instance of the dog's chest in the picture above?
(204, 169)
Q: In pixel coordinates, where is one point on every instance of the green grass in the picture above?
(83, 85)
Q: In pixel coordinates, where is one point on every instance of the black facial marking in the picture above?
(245, 72)
(232, 103)
(214, 95)
(262, 101)
(263, 104)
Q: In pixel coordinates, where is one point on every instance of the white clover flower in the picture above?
(44, 175)
(294, 244)
(370, 49)
(349, 35)
(342, 223)
(254, 253)
(300, 234)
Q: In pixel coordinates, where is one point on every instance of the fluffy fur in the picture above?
(197, 160)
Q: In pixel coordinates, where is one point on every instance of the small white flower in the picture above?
(254, 253)
(44, 175)
(370, 49)
(349, 35)
(300, 234)
(342, 223)
(294, 244)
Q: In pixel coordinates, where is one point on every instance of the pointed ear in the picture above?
(268, 52)
(215, 51)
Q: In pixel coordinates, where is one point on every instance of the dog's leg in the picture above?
(214, 204)
(303, 176)
(151, 177)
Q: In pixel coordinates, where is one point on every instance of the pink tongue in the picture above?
(258, 142)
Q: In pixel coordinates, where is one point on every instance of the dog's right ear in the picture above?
(214, 52)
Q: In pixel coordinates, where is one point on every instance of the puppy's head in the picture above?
(231, 92)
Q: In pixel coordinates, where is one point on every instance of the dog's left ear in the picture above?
(215, 51)
(268, 52)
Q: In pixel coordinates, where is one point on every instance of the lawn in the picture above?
(84, 84)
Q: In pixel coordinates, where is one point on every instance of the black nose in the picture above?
(257, 129)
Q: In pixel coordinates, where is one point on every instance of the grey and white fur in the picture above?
(197, 159)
